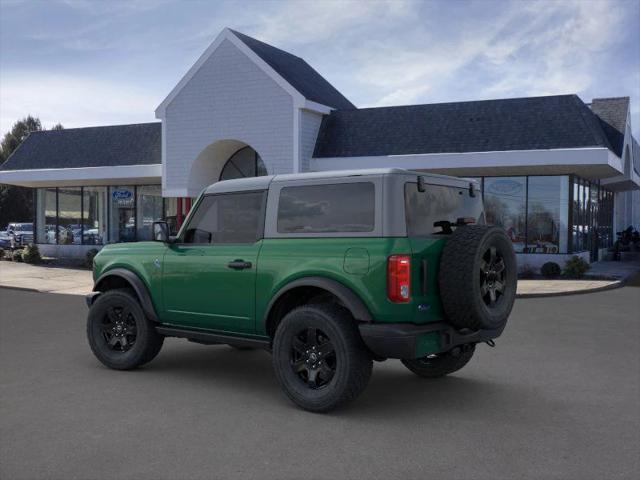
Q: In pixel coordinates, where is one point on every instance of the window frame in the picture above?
(185, 226)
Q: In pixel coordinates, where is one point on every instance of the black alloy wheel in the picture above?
(492, 281)
(313, 357)
(441, 364)
(119, 333)
(478, 277)
(319, 357)
(119, 328)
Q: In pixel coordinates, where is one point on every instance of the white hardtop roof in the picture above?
(262, 183)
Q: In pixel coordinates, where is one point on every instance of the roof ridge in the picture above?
(235, 32)
(98, 126)
(467, 101)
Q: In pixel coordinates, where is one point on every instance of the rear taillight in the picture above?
(399, 278)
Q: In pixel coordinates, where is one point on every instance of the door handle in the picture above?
(239, 264)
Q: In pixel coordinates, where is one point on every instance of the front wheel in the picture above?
(319, 357)
(441, 364)
(119, 333)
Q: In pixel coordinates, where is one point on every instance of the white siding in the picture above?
(309, 126)
(228, 98)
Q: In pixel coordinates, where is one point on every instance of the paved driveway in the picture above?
(557, 398)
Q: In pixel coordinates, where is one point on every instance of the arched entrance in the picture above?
(244, 163)
(224, 160)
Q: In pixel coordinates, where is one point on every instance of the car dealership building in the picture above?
(560, 175)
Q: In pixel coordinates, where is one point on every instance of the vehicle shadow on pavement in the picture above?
(393, 393)
(396, 394)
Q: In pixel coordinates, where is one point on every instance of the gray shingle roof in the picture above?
(298, 73)
(532, 123)
(612, 113)
(115, 145)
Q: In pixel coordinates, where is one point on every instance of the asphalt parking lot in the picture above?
(559, 397)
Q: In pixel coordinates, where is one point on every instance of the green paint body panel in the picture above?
(192, 286)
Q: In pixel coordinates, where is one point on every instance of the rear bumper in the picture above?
(406, 340)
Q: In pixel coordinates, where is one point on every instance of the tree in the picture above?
(16, 203)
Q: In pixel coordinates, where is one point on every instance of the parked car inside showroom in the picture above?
(20, 234)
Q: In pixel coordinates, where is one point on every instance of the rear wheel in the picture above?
(119, 333)
(441, 364)
(319, 357)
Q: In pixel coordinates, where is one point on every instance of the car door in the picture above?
(209, 274)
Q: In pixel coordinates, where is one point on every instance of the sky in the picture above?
(86, 63)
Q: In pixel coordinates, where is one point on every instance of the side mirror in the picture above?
(161, 232)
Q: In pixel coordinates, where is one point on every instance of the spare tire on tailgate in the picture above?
(478, 277)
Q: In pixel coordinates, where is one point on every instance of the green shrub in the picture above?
(551, 270)
(90, 256)
(576, 267)
(527, 271)
(16, 256)
(31, 254)
(1, 253)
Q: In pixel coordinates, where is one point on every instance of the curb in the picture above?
(23, 289)
(613, 286)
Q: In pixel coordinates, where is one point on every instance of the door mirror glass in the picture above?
(161, 231)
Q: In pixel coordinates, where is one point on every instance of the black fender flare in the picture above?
(348, 298)
(138, 286)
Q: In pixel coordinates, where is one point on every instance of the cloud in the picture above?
(296, 22)
(73, 101)
(376, 52)
(533, 48)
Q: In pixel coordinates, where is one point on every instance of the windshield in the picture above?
(436, 204)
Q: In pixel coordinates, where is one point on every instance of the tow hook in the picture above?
(491, 343)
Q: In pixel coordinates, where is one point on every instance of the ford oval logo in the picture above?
(505, 187)
(122, 194)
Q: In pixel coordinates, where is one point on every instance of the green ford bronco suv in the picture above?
(328, 271)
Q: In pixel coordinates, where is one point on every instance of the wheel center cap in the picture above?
(119, 328)
(313, 357)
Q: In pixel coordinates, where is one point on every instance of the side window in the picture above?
(341, 207)
(227, 218)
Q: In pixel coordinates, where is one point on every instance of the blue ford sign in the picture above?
(122, 194)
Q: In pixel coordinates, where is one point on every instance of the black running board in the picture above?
(211, 338)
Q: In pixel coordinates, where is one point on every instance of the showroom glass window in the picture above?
(94, 215)
(244, 163)
(122, 218)
(149, 209)
(342, 207)
(505, 205)
(46, 215)
(547, 214)
(70, 216)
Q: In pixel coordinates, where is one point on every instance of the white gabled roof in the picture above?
(227, 34)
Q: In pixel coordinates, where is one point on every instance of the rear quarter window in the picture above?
(343, 207)
(438, 203)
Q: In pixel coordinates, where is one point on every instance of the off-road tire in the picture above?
(462, 280)
(351, 362)
(147, 342)
(434, 366)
